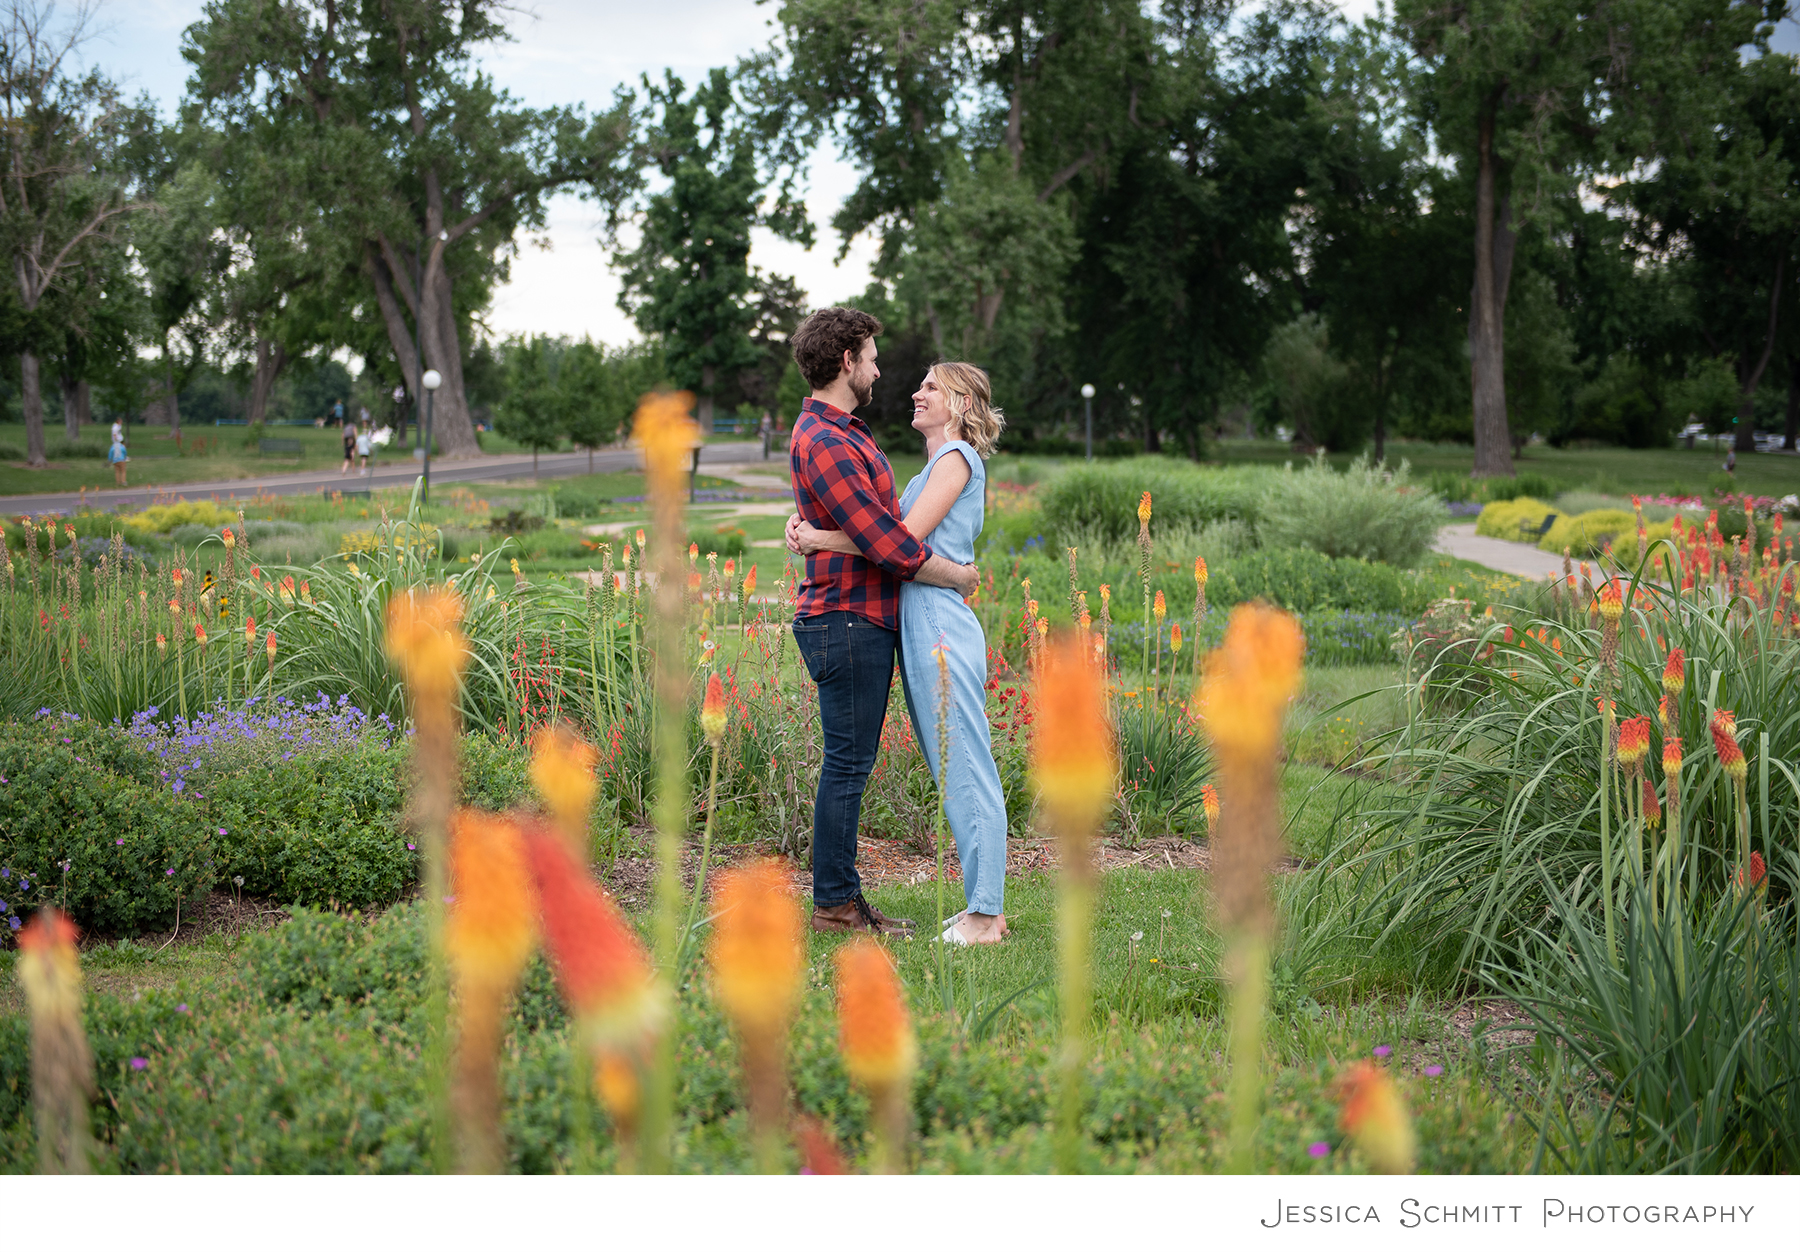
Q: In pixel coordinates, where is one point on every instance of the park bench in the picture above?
(289, 446)
(347, 492)
(1532, 533)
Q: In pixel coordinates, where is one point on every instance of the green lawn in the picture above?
(1609, 470)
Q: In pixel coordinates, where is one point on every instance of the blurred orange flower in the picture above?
(712, 710)
(491, 928)
(1373, 1114)
(562, 769)
(874, 1031)
(663, 428)
(1249, 680)
(423, 638)
(758, 954)
(1073, 758)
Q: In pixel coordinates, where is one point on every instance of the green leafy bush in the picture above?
(1101, 500)
(88, 797)
(1367, 511)
(1587, 534)
(1302, 579)
(1509, 519)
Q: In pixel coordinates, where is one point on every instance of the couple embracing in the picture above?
(886, 579)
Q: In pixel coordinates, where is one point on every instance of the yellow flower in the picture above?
(874, 1031)
(1073, 759)
(1200, 574)
(758, 952)
(663, 428)
(492, 924)
(1144, 510)
(1159, 607)
(424, 640)
(562, 769)
(1249, 680)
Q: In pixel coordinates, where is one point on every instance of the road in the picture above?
(479, 469)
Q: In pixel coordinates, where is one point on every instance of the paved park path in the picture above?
(1521, 560)
(713, 457)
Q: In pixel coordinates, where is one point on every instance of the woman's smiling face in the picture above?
(931, 407)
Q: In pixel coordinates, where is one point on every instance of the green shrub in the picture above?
(1301, 580)
(1625, 547)
(1101, 500)
(89, 797)
(1587, 534)
(728, 540)
(1367, 512)
(1509, 519)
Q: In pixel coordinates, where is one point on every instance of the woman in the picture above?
(349, 448)
(363, 447)
(944, 505)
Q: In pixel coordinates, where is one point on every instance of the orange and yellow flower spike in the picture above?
(1373, 1114)
(876, 1040)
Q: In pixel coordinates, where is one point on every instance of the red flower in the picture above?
(1724, 735)
(1673, 675)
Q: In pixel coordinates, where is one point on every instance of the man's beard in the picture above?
(863, 390)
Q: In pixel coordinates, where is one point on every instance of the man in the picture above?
(847, 621)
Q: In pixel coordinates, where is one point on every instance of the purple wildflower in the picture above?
(1318, 1150)
(1382, 1050)
(138, 1062)
(169, 873)
(1434, 1071)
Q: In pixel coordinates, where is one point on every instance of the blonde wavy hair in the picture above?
(971, 401)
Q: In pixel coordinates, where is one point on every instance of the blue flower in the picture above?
(13, 922)
(180, 785)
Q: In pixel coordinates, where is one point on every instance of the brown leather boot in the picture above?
(857, 913)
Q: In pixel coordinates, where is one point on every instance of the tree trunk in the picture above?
(1793, 410)
(74, 398)
(1487, 313)
(174, 400)
(703, 408)
(270, 358)
(1152, 443)
(31, 399)
(393, 317)
(1751, 378)
(453, 425)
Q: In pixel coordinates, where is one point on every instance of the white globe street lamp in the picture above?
(431, 380)
(1087, 399)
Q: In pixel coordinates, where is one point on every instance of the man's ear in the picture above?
(847, 363)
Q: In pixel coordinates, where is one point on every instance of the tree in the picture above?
(1721, 196)
(432, 170)
(182, 259)
(689, 280)
(535, 410)
(1381, 242)
(601, 388)
(63, 194)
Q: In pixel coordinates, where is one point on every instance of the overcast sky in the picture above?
(573, 51)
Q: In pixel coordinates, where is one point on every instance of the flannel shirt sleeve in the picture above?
(839, 480)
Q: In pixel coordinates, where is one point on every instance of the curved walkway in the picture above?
(476, 469)
(1521, 560)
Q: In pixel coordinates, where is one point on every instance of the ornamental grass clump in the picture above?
(62, 1066)
(1249, 681)
(875, 1038)
(758, 961)
(1075, 769)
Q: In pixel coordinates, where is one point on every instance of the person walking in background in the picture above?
(118, 430)
(349, 448)
(363, 446)
(768, 432)
(337, 411)
(117, 454)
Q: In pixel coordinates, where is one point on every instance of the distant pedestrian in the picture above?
(768, 432)
(118, 456)
(118, 430)
(337, 411)
(349, 448)
(1731, 460)
(363, 446)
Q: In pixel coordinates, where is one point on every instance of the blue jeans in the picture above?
(852, 660)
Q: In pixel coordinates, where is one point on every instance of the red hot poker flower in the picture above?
(1652, 806)
(1672, 756)
(1674, 672)
(1634, 740)
(1724, 735)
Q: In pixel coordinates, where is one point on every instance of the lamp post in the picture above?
(1087, 399)
(431, 381)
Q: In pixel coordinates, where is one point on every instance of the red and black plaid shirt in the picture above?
(843, 482)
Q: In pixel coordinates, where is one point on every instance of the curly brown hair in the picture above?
(822, 339)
